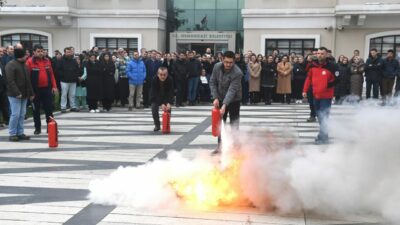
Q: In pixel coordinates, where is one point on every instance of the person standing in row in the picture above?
(342, 87)
(194, 70)
(108, 72)
(254, 79)
(268, 79)
(69, 71)
(373, 74)
(284, 86)
(122, 81)
(152, 66)
(390, 71)
(94, 83)
(180, 78)
(19, 90)
(299, 77)
(357, 79)
(3, 95)
(43, 84)
(136, 72)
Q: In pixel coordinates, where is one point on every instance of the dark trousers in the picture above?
(204, 93)
(123, 90)
(310, 97)
(180, 91)
(397, 88)
(146, 93)
(107, 104)
(43, 98)
(374, 85)
(245, 91)
(233, 110)
(285, 98)
(156, 115)
(5, 110)
(298, 89)
(92, 104)
(322, 108)
(268, 94)
(387, 87)
(254, 97)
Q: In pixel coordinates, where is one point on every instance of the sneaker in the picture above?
(13, 138)
(92, 111)
(97, 110)
(63, 110)
(130, 108)
(216, 151)
(311, 119)
(74, 110)
(23, 137)
(37, 132)
(156, 128)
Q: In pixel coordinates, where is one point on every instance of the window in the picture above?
(27, 40)
(383, 44)
(288, 46)
(129, 44)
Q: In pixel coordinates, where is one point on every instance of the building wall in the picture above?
(273, 4)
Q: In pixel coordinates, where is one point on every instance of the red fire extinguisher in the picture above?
(215, 122)
(52, 131)
(166, 118)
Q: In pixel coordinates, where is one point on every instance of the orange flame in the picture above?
(211, 186)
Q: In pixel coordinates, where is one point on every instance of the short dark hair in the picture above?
(323, 49)
(36, 47)
(391, 51)
(373, 49)
(229, 54)
(67, 48)
(162, 68)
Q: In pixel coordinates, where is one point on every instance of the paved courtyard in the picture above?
(46, 186)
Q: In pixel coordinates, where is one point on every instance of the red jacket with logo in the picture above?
(41, 73)
(322, 79)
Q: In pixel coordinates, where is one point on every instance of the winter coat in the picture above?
(268, 75)
(108, 73)
(299, 71)
(136, 72)
(94, 81)
(3, 81)
(41, 73)
(322, 79)
(151, 69)
(194, 68)
(180, 70)
(255, 77)
(390, 68)
(68, 70)
(284, 85)
(373, 69)
(226, 86)
(357, 79)
(342, 87)
(162, 92)
(18, 79)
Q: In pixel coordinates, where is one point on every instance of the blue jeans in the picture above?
(18, 111)
(68, 90)
(193, 84)
(322, 109)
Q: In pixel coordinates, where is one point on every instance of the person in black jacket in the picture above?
(107, 67)
(94, 83)
(194, 70)
(268, 78)
(161, 94)
(299, 77)
(3, 95)
(180, 78)
(342, 88)
(68, 70)
(373, 74)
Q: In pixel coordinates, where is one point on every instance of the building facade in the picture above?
(83, 24)
(340, 25)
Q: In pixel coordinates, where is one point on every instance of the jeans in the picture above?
(322, 108)
(68, 89)
(135, 90)
(43, 97)
(18, 111)
(233, 109)
(310, 98)
(193, 84)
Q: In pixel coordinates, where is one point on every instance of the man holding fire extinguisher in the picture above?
(226, 90)
(161, 94)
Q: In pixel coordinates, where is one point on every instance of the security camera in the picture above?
(340, 27)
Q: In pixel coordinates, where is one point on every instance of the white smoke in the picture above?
(358, 173)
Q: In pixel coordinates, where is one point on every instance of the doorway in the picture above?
(201, 48)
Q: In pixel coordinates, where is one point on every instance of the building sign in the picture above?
(205, 36)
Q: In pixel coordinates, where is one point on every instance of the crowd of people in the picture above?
(107, 78)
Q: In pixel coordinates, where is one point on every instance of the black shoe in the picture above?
(63, 110)
(74, 110)
(156, 128)
(311, 119)
(23, 137)
(321, 141)
(13, 138)
(37, 132)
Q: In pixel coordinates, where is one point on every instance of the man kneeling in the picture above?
(162, 94)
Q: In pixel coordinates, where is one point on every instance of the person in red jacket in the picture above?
(322, 77)
(44, 85)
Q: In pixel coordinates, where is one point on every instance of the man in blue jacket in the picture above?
(152, 66)
(390, 72)
(136, 72)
